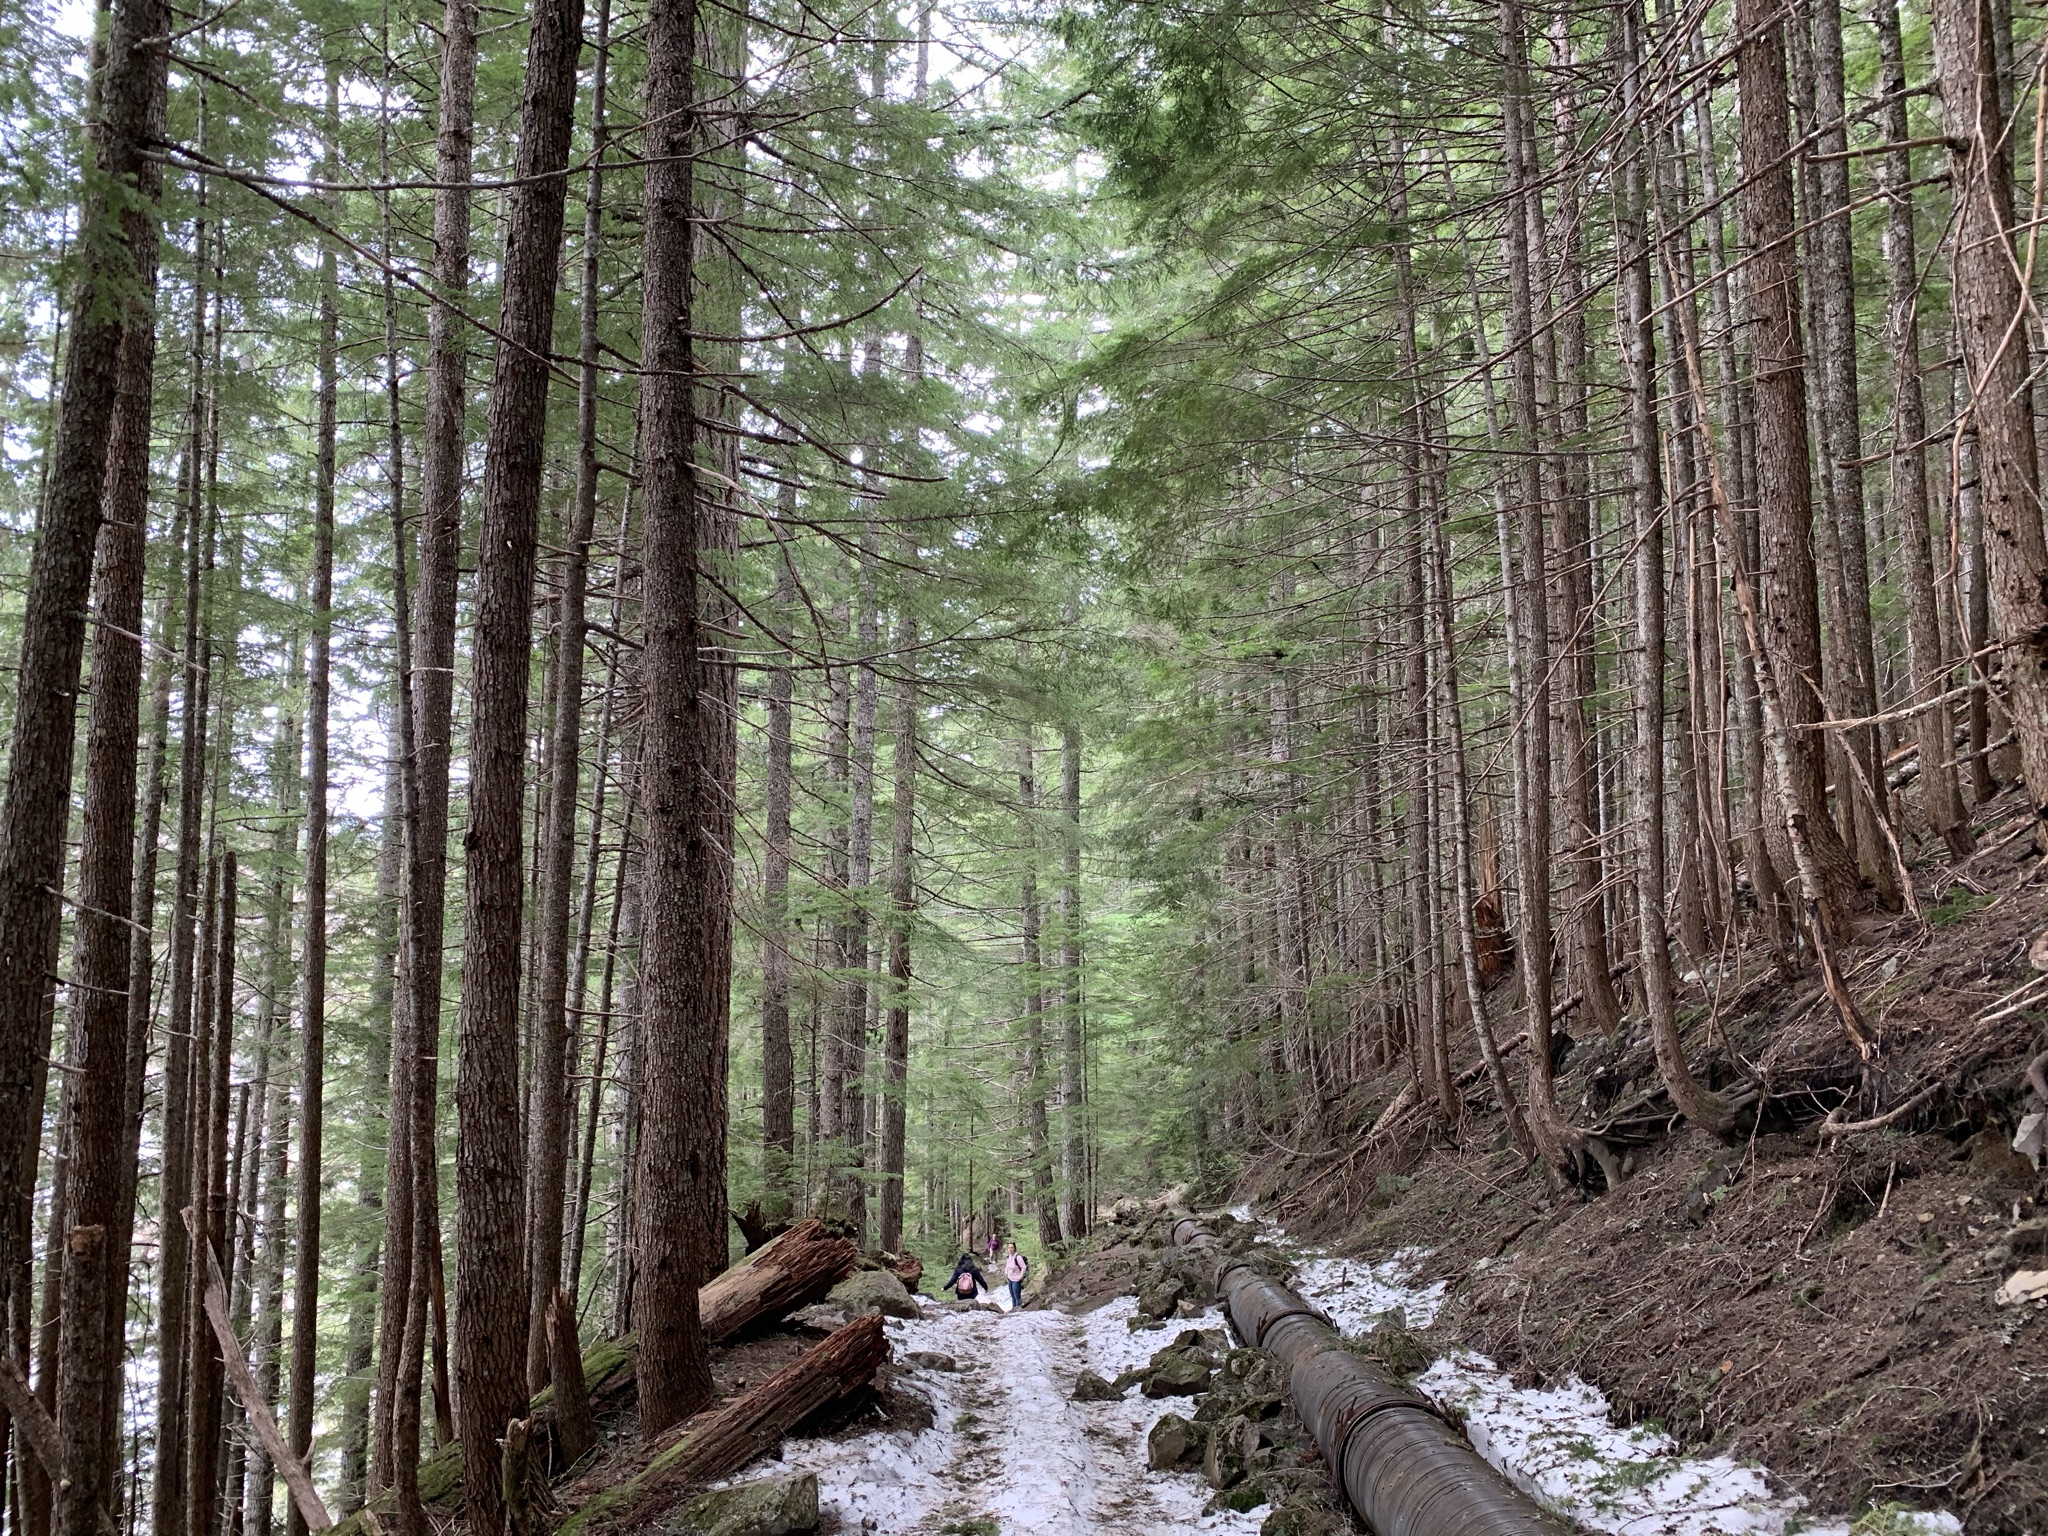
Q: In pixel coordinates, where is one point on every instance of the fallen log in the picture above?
(790, 1271)
(722, 1440)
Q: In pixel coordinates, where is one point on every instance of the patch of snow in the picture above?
(1358, 1296)
(1559, 1444)
(1007, 1445)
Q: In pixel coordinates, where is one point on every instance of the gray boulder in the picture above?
(1178, 1373)
(774, 1506)
(1161, 1298)
(1091, 1388)
(1174, 1442)
(867, 1291)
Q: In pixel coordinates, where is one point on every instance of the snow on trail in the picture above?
(1009, 1454)
(1559, 1443)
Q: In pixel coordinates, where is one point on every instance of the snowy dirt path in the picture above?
(1010, 1454)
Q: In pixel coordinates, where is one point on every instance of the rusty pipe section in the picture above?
(1405, 1469)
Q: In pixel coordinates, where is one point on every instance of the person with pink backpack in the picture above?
(966, 1282)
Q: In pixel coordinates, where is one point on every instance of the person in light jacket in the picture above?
(1015, 1268)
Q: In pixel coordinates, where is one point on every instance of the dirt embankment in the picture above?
(1825, 1305)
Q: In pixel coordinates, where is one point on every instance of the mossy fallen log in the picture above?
(722, 1440)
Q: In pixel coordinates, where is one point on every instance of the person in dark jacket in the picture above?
(966, 1282)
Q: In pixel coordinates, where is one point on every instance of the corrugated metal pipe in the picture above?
(1405, 1468)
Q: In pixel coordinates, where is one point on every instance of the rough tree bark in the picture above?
(856, 980)
(1529, 646)
(411, 1213)
(902, 907)
(1073, 1073)
(547, 1149)
(175, 1182)
(1842, 439)
(1693, 1098)
(1037, 1126)
(1991, 322)
(1789, 600)
(490, 1307)
(100, 1200)
(118, 226)
(778, 1066)
(1941, 800)
(313, 1001)
(681, 1179)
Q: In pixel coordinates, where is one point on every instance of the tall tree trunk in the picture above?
(856, 980)
(1431, 1029)
(141, 974)
(1073, 1077)
(118, 236)
(1941, 800)
(1444, 667)
(175, 1182)
(1842, 442)
(313, 1000)
(411, 1222)
(268, 1328)
(902, 908)
(827, 1123)
(214, 1236)
(547, 1152)
(1762, 837)
(1647, 510)
(681, 1179)
(490, 1311)
(1528, 610)
(1789, 598)
(721, 125)
(95, 1270)
(778, 1066)
(1038, 1130)
(1573, 586)
(1991, 323)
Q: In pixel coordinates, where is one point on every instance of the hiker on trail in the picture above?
(966, 1283)
(1015, 1268)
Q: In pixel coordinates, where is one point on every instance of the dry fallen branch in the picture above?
(290, 1467)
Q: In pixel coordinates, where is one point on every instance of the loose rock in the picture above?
(1178, 1373)
(1173, 1442)
(774, 1506)
(873, 1290)
(1091, 1388)
(1160, 1298)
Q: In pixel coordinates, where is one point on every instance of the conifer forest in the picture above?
(644, 626)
